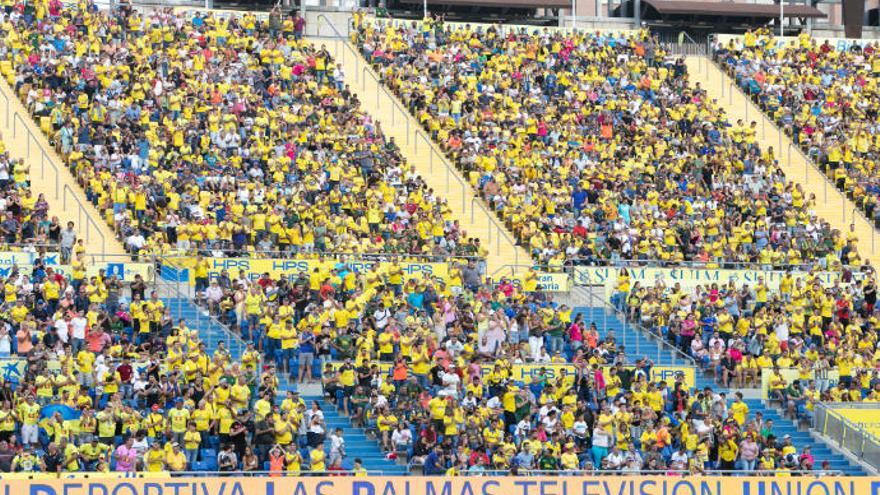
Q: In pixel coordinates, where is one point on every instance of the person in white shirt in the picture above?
(522, 429)
(213, 294)
(381, 315)
(5, 340)
(136, 242)
(679, 459)
(62, 329)
(77, 330)
(550, 422)
(337, 446)
(615, 459)
(454, 347)
(401, 438)
(451, 381)
(543, 357)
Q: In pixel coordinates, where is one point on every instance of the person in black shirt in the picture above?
(6, 455)
(238, 432)
(138, 288)
(52, 459)
(364, 375)
(264, 437)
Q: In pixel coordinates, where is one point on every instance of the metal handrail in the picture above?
(231, 337)
(18, 119)
(365, 70)
(827, 409)
(830, 406)
(792, 144)
(46, 158)
(8, 106)
(82, 212)
(661, 342)
(281, 474)
(477, 201)
(320, 255)
(338, 37)
(450, 170)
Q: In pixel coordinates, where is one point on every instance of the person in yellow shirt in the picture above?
(254, 309)
(192, 439)
(93, 452)
(155, 458)
(317, 459)
(358, 468)
(29, 416)
(178, 416)
(202, 266)
(176, 459)
(727, 452)
(739, 409)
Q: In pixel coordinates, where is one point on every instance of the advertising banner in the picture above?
(276, 268)
(526, 372)
(839, 44)
(867, 418)
(690, 278)
(464, 485)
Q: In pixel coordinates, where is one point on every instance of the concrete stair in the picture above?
(831, 204)
(49, 174)
(800, 439)
(357, 444)
(212, 332)
(467, 207)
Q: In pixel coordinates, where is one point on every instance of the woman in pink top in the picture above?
(687, 332)
(748, 454)
(576, 333)
(126, 456)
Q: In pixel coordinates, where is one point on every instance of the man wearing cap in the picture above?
(178, 416)
(176, 459)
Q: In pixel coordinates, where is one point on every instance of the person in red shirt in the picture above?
(326, 291)
(97, 339)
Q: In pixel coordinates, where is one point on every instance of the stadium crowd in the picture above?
(213, 135)
(193, 133)
(824, 96)
(741, 331)
(594, 146)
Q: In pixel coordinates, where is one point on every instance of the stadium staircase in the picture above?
(48, 173)
(358, 445)
(474, 215)
(831, 204)
(634, 338)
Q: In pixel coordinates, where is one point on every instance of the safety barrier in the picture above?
(520, 473)
(846, 434)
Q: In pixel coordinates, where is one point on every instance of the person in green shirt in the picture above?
(343, 344)
(547, 461)
(358, 406)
